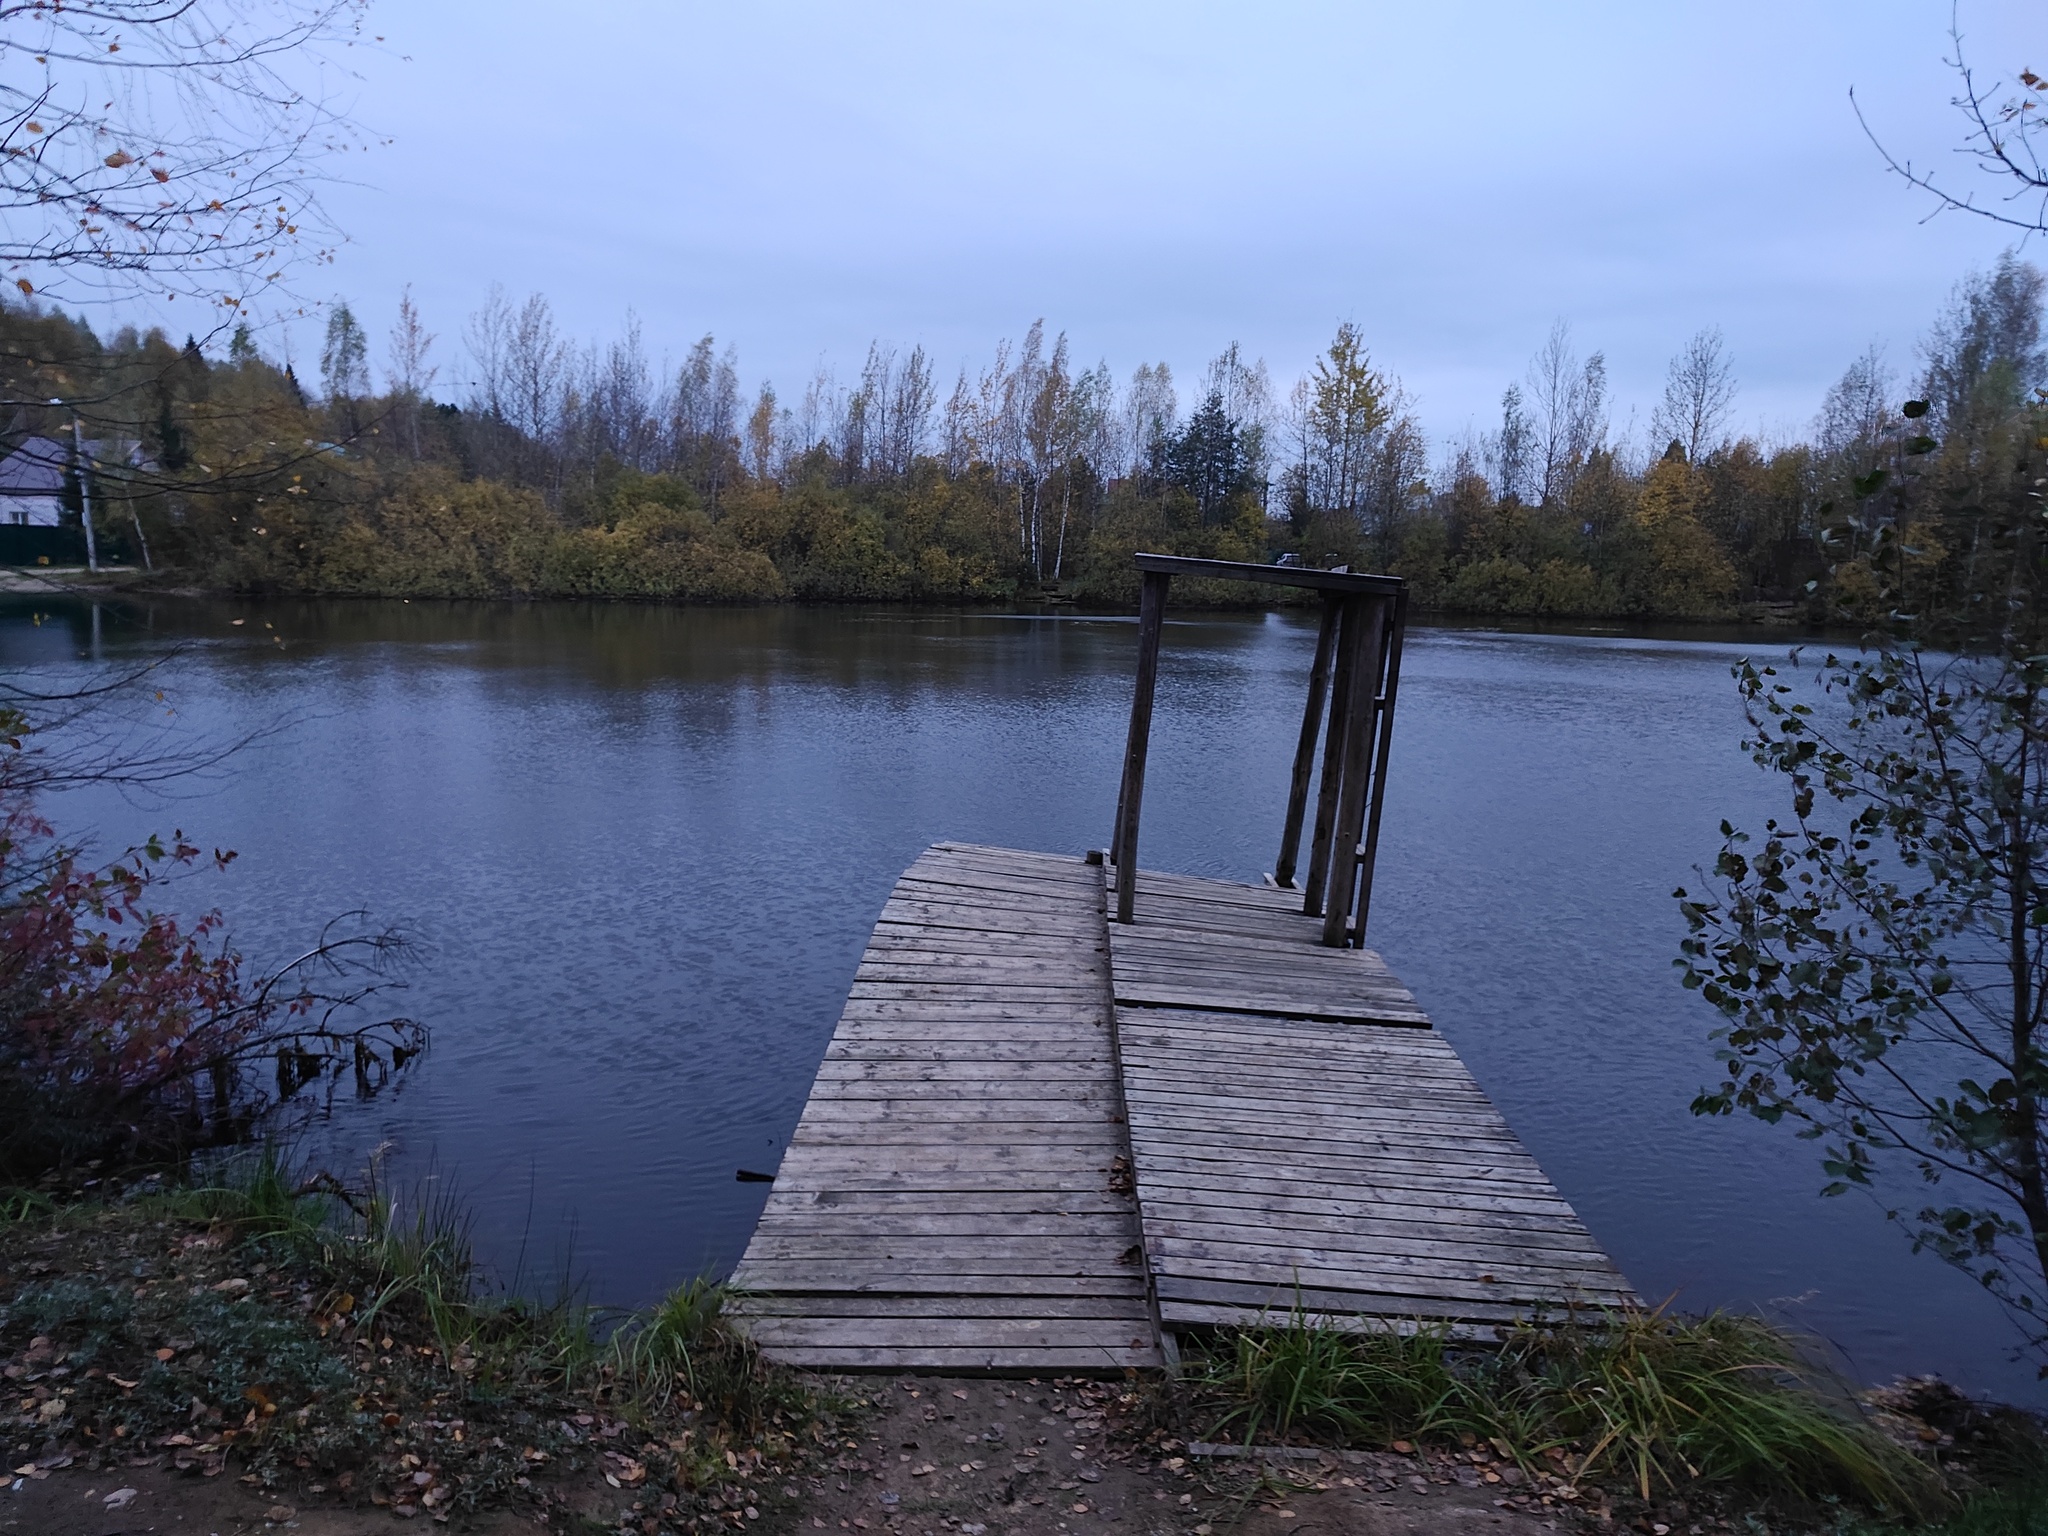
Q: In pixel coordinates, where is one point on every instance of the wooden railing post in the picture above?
(1388, 690)
(1305, 749)
(1356, 772)
(1314, 888)
(1130, 802)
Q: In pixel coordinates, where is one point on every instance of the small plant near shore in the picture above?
(1664, 1405)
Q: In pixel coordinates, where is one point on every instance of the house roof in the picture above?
(36, 468)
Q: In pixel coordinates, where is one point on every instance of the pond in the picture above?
(644, 847)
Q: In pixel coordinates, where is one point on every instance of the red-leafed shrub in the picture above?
(125, 1031)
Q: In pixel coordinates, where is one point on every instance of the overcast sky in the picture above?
(1160, 179)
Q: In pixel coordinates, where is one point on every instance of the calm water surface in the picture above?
(646, 847)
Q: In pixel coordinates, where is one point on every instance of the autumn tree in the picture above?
(1339, 409)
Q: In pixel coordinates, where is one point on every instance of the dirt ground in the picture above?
(939, 1457)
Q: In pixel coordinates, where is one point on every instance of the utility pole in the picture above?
(92, 551)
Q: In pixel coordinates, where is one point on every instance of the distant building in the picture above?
(32, 483)
(32, 477)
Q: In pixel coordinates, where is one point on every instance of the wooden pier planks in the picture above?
(955, 1196)
(1211, 944)
(1301, 1135)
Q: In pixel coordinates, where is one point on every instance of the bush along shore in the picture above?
(309, 1347)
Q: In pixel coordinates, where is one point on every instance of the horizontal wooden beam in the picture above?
(1273, 575)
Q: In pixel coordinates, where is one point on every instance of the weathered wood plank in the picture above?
(1373, 1246)
(1331, 1139)
(1200, 995)
(994, 1073)
(1451, 1294)
(882, 1205)
(1365, 1219)
(1110, 1308)
(1280, 1295)
(924, 1012)
(887, 1277)
(1046, 1361)
(1194, 1164)
(1389, 1197)
(975, 1227)
(1235, 1101)
(982, 1332)
(824, 1160)
(1338, 1070)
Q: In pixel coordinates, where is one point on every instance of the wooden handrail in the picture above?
(1273, 575)
(1360, 642)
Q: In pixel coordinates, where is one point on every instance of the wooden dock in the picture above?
(1042, 1141)
(1059, 1124)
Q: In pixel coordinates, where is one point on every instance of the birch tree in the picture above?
(1570, 403)
(1699, 389)
(408, 371)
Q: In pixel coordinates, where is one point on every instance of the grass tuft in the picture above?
(1663, 1403)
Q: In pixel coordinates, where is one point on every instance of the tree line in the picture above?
(559, 469)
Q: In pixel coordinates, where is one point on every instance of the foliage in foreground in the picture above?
(1663, 1404)
(314, 1338)
(1880, 958)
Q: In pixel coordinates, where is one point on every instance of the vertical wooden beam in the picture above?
(1388, 691)
(1333, 746)
(1305, 749)
(1151, 618)
(1356, 775)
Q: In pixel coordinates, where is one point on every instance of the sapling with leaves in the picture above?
(1880, 959)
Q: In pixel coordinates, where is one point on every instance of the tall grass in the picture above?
(1662, 1402)
(411, 1260)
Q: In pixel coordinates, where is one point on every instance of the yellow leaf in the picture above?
(119, 158)
(24, 285)
(35, 127)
